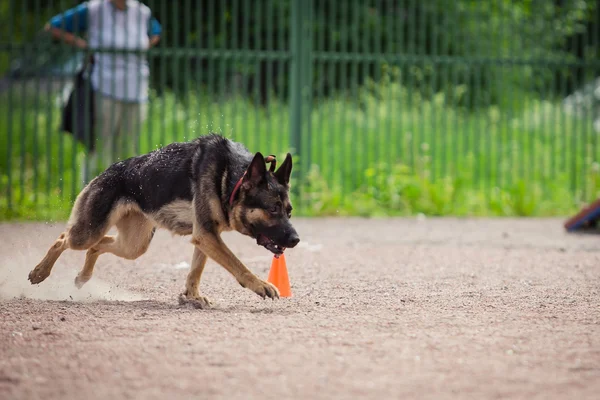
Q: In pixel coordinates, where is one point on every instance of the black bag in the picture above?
(77, 117)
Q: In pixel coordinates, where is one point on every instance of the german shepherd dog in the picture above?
(199, 188)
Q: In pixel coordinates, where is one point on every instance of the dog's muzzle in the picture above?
(275, 248)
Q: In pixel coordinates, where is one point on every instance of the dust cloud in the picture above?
(59, 287)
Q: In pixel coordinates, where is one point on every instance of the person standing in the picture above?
(117, 33)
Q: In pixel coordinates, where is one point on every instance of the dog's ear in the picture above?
(257, 171)
(284, 172)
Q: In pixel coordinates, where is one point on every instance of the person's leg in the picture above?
(101, 129)
(89, 161)
(108, 120)
(134, 116)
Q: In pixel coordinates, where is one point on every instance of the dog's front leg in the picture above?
(192, 292)
(213, 246)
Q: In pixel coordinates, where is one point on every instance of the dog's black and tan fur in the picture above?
(189, 189)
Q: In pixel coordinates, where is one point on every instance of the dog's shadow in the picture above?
(143, 307)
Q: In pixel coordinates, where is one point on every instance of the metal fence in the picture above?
(378, 99)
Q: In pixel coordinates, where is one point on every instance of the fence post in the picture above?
(296, 23)
(307, 79)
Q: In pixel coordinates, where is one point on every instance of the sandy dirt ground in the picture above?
(406, 308)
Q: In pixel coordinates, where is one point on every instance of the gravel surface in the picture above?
(397, 308)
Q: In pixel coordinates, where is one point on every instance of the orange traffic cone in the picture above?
(278, 276)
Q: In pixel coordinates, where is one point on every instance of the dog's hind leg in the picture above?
(90, 260)
(135, 232)
(81, 234)
(78, 237)
(43, 269)
(192, 293)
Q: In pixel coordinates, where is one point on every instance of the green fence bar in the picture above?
(296, 76)
(342, 116)
(358, 141)
(23, 131)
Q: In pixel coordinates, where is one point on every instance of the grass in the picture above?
(380, 150)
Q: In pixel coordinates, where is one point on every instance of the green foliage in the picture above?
(383, 150)
(400, 192)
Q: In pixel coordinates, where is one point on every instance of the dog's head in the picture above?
(263, 209)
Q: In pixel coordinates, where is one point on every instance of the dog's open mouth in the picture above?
(268, 244)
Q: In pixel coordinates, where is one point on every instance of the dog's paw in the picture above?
(81, 280)
(195, 300)
(264, 289)
(38, 274)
